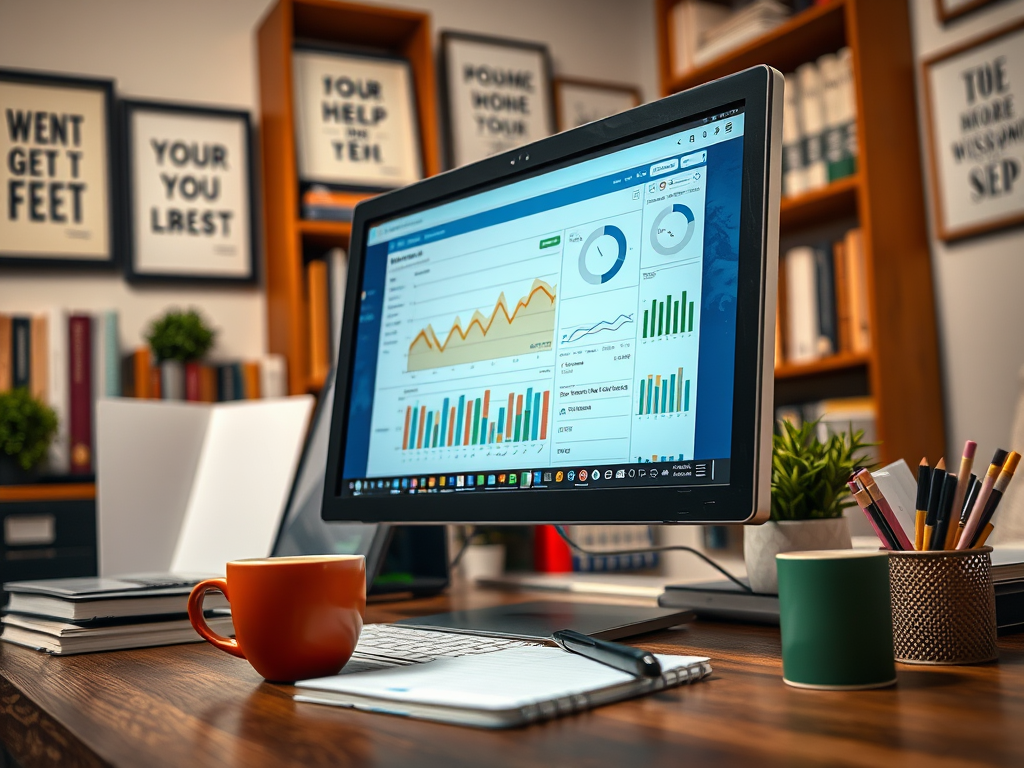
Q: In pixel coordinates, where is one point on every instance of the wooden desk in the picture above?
(192, 705)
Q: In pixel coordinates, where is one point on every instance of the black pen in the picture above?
(633, 661)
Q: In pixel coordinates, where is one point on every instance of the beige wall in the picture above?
(978, 281)
(203, 51)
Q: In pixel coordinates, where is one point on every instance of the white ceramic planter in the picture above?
(761, 543)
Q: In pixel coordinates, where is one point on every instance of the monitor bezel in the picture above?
(743, 499)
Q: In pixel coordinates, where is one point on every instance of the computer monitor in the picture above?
(580, 330)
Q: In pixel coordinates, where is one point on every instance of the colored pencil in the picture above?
(924, 479)
(934, 491)
(1005, 476)
(972, 495)
(942, 520)
(963, 477)
(974, 521)
(900, 536)
(864, 502)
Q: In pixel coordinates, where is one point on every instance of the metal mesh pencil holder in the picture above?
(943, 607)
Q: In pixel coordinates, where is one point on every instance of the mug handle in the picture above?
(195, 615)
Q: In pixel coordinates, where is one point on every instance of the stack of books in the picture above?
(823, 300)
(83, 615)
(703, 30)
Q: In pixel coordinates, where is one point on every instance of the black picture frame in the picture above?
(132, 271)
(112, 258)
(447, 37)
(348, 52)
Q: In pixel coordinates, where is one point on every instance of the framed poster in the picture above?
(579, 101)
(189, 197)
(57, 190)
(496, 95)
(973, 95)
(947, 10)
(356, 125)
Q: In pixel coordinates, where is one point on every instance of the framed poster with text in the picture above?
(496, 94)
(189, 195)
(579, 101)
(974, 94)
(947, 10)
(355, 120)
(57, 191)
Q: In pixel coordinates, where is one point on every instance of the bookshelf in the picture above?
(288, 239)
(885, 198)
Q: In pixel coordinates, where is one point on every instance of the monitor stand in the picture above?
(537, 620)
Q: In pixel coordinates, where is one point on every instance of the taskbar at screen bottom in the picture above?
(661, 474)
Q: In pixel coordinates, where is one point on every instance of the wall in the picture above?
(977, 281)
(199, 51)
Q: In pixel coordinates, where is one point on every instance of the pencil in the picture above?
(972, 495)
(963, 477)
(974, 521)
(1005, 476)
(924, 479)
(892, 522)
(864, 502)
(942, 520)
(986, 531)
(934, 491)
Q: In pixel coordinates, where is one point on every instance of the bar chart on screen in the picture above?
(664, 394)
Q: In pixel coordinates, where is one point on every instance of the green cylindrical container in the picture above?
(835, 613)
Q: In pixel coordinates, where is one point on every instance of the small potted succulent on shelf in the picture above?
(809, 494)
(27, 427)
(177, 339)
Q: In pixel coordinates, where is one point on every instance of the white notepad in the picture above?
(496, 690)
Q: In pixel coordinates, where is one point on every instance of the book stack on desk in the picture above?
(67, 616)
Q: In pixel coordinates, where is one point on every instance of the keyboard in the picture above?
(382, 646)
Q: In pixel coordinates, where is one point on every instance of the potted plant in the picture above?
(27, 427)
(809, 494)
(177, 339)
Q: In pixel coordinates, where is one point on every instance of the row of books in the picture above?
(325, 289)
(819, 124)
(84, 615)
(69, 360)
(823, 301)
(703, 30)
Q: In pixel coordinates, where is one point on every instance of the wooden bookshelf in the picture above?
(886, 197)
(48, 492)
(287, 237)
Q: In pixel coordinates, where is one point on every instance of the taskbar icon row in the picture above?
(526, 478)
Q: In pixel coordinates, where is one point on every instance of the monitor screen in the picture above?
(570, 330)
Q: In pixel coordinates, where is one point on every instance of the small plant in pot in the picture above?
(177, 339)
(809, 494)
(27, 427)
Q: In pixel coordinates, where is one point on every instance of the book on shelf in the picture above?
(318, 304)
(739, 28)
(819, 124)
(824, 294)
(322, 204)
(610, 538)
(690, 20)
(80, 401)
(337, 274)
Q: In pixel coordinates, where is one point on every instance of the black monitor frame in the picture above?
(746, 498)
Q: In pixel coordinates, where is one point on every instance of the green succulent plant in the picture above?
(182, 336)
(809, 475)
(27, 427)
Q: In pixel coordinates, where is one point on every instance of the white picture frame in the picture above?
(189, 193)
(976, 152)
(497, 95)
(356, 124)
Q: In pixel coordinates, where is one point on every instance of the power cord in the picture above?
(671, 548)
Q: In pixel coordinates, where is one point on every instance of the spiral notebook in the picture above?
(496, 690)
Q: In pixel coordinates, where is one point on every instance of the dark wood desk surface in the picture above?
(192, 705)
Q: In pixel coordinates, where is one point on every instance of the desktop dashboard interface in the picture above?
(575, 329)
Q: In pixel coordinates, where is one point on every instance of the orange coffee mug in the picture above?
(294, 617)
